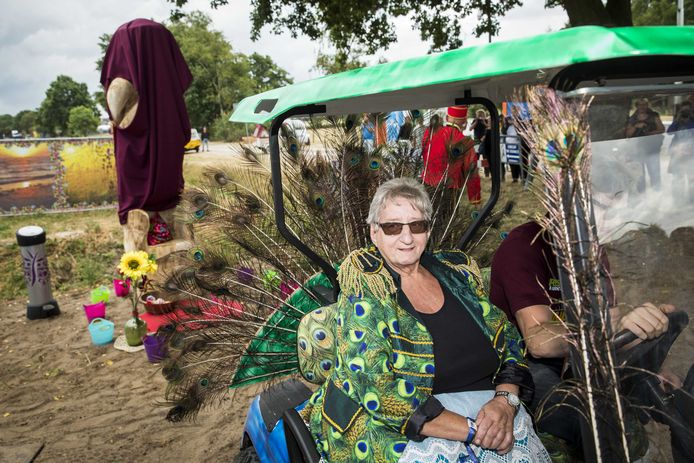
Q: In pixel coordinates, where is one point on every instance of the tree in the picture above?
(6, 125)
(266, 74)
(25, 121)
(371, 24)
(99, 95)
(339, 62)
(595, 12)
(82, 121)
(659, 12)
(220, 76)
(62, 95)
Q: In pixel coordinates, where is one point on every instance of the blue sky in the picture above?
(40, 39)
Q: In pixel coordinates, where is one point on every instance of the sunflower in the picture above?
(136, 264)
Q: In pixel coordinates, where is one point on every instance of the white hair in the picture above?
(402, 187)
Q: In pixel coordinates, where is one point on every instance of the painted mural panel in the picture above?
(56, 174)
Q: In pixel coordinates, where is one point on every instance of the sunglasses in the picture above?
(395, 228)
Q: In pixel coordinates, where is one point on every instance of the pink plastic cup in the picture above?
(121, 287)
(93, 311)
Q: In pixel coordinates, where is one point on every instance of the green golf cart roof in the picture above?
(491, 71)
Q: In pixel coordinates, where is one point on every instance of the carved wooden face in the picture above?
(122, 99)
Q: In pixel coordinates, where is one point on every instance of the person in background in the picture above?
(368, 136)
(205, 137)
(479, 127)
(645, 122)
(449, 156)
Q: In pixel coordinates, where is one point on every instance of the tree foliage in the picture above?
(266, 74)
(660, 12)
(220, 76)
(595, 12)
(82, 121)
(62, 95)
(6, 125)
(339, 62)
(25, 121)
(371, 25)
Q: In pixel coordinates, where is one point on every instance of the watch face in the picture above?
(513, 400)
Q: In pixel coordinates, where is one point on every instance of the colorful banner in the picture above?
(56, 174)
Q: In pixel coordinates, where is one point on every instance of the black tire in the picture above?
(247, 455)
(197, 149)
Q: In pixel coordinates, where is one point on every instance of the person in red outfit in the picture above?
(449, 156)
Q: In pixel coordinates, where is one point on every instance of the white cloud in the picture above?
(41, 39)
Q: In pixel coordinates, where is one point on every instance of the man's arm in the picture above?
(546, 337)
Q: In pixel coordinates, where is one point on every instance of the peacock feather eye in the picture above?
(371, 401)
(361, 450)
(303, 344)
(326, 365)
(354, 160)
(456, 152)
(204, 382)
(198, 255)
(200, 201)
(503, 235)
(427, 368)
(375, 164)
(293, 148)
(319, 335)
(199, 214)
(474, 215)
(398, 447)
(405, 388)
(221, 179)
(416, 113)
(319, 201)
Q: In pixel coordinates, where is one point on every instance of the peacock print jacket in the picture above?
(378, 395)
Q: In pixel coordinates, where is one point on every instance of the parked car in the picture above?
(17, 134)
(194, 143)
(104, 128)
(297, 129)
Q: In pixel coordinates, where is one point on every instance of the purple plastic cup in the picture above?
(93, 311)
(155, 347)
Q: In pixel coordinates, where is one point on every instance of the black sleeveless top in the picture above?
(465, 359)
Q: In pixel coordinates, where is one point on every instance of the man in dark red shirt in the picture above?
(524, 283)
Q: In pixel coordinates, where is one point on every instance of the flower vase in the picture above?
(135, 330)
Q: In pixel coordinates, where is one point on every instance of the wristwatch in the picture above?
(511, 398)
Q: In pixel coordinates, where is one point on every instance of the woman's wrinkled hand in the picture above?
(495, 426)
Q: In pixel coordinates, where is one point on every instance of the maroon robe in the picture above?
(149, 152)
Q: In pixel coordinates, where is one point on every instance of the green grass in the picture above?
(84, 258)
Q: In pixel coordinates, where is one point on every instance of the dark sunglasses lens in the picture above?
(391, 228)
(419, 227)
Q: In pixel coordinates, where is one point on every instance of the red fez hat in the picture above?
(458, 112)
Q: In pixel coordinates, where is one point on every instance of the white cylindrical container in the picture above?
(31, 240)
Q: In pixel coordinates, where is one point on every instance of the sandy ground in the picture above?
(69, 400)
(88, 403)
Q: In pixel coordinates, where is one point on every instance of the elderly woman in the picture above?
(426, 367)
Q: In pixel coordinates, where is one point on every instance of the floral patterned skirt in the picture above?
(527, 447)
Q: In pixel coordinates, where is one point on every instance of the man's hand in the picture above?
(646, 321)
(495, 426)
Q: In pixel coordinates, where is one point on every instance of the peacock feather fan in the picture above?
(243, 289)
